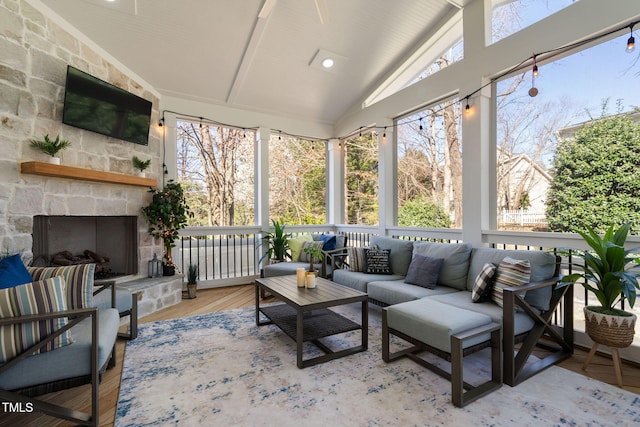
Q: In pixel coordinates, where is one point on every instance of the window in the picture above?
(510, 16)
(361, 178)
(297, 180)
(430, 167)
(215, 165)
(551, 173)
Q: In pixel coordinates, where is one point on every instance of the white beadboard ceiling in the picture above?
(222, 52)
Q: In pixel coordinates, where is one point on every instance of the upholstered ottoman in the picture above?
(448, 332)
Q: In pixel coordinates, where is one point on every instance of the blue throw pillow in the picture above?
(329, 241)
(13, 272)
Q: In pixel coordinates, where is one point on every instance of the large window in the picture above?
(430, 167)
(215, 165)
(297, 180)
(361, 178)
(568, 157)
(510, 16)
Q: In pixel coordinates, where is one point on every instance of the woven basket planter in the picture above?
(610, 330)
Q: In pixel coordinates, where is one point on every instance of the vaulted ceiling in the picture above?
(259, 54)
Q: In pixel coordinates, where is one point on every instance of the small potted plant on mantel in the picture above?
(140, 165)
(167, 214)
(50, 147)
(608, 277)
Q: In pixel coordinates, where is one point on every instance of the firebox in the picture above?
(109, 241)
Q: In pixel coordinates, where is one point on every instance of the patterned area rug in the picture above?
(219, 369)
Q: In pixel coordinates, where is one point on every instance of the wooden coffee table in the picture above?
(304, 315)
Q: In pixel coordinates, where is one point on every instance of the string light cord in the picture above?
(531, 61)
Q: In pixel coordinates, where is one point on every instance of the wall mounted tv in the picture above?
(98, 106)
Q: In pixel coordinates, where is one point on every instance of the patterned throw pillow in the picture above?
(304, 256)
(376, 261)
(45, 296)
(424, 271)
(356, 258)
(79, 280)
(511, 272)
(483, 284)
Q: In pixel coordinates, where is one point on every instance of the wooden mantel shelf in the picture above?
(61, 171)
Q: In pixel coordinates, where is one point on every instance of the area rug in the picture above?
(220, 369)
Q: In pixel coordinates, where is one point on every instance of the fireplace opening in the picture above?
(111, 242)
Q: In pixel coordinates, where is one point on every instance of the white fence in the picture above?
(522, 217)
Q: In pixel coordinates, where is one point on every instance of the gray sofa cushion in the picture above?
(69, 361)
(542, 267)
(462, 299)
(102, 300)
(433, 323)
(396, 291)
(286, 268)
(456, 261)
(401, 251)
(358, 280)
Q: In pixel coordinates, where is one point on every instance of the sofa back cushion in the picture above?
(400, 255)
(455, 264)
(543, 265)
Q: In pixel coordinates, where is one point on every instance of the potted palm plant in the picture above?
(277, 243)
(50, 147)
(315, 253)
(608, 277)
(192, 280)
(167, 214)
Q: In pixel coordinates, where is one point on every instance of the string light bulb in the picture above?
(384, 135)
(421, 123)
(631, 42)
(535, 67)
(533, 92)
(467, 107)
(161, 122)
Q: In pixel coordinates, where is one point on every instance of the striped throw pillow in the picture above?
(511, 272)
(45, 296)
(79, 280)
(356, 258)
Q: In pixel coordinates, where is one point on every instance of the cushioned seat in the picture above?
(359, 280)
(126, 303)
(396, 291)
(522, 322)
(69, 361)
(434, 323)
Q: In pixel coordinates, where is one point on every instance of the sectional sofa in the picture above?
(524, 317)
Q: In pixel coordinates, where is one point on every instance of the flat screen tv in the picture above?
(98, 106)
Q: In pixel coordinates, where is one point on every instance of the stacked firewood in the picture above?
(88, 257)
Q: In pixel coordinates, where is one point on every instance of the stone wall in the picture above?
(34, 54)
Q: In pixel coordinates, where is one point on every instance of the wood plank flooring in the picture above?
(219, 299)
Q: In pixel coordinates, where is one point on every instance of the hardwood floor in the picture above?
(219, 299)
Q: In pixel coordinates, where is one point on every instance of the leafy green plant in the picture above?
(167, 214)
(192, 274)
(606, 272)
(48, 146)
(314, 252)
(139, 164)
(277, 243)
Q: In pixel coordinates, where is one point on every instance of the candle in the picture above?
(311, 280)
(300, 277)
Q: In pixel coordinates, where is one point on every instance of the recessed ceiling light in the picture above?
(327, 62)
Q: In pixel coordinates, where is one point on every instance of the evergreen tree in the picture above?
(597, 177)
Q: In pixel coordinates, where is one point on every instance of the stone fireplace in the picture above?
(112, 239)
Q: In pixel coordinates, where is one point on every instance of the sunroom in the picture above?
(437, 121)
